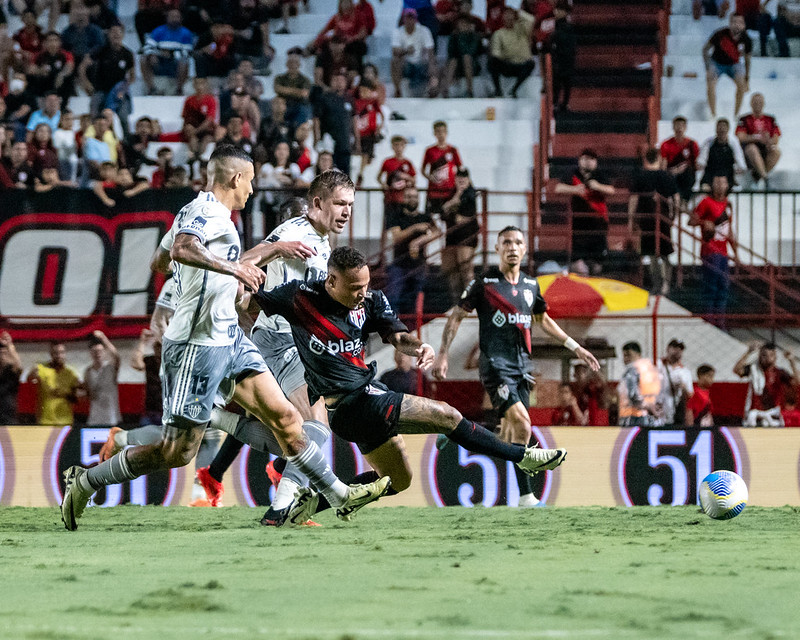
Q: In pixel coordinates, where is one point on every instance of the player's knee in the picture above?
(449, 416)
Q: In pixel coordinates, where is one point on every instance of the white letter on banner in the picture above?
(133, 271)
(81, 277)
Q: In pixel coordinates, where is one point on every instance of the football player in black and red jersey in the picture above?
(508, 302)
(331, 321)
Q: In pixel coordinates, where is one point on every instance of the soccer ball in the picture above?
(723, 495)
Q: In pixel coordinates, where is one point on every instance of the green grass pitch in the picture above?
(397, 573)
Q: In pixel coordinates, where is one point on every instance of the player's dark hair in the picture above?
(228, 151)
(94, 340)
(769, 346)
(721, 120)
(509, 229)
(680, 119)
(439, 123)
(324, 184)
(651, 155)
(703, 369)
(346, 258)
(632, 346)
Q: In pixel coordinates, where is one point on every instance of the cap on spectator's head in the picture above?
(462, 172)
(410, 13)
(676, 343)
(164, 150)
(295, 51)
(589, 153)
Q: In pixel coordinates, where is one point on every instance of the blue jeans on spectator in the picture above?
(403, 282)
(716, 283)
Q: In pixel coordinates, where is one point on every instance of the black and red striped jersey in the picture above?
(505, 313)
(331, 338)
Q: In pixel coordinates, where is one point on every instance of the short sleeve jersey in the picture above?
(168, 297)
(392, 167)
(718, 213)
(676, 153)
(206, 311)
(727, 50)
(443, 163)
(751, 125)
(330, 338)
(505, 314)
(594, 201)
(198, 109)
(280, 271)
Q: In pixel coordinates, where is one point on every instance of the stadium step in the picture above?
(607, 145)
(611, 56)
(601, 122)
(614, 78)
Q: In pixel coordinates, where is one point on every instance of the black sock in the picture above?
(361, 478)
(523, 481)
(224, 459)
(279, 464)
(479, 439)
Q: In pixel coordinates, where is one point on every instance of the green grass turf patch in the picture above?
(154, 572)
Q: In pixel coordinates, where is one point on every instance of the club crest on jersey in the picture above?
(357, 317)
(194, 409)
(528, 295)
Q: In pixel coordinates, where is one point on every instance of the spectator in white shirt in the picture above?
(413, 55)
(676, 384)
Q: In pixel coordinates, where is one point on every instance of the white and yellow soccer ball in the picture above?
(723, 495)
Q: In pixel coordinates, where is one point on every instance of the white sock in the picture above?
(121, 438)
(528, 500)
(224, 420)
(284, 494)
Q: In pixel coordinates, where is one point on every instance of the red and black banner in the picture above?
(70, 265)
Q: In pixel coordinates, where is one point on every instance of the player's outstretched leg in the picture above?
(422, 415)
(306, 501)
(261, 395)
(177, 447)
(118, 439)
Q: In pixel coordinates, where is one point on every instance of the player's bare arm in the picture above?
(265, 252)
(411, 346)
(188, 250)
(440, 366)
(550, 327)
(160, 261)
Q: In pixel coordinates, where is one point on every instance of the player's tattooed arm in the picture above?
(457, 314)
(265, 252)
(408, 344)
(187, 249)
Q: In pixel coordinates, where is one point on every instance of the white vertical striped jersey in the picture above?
(206, 310)
(281, 271)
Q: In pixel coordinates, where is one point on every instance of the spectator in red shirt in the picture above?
(679, 156)
(756, 18)
(768, 385)
(713, 216)
(395, 175)
(165, 168)
(790, 412)
(494, 14)
(588, 189)
(727, 52)
(567, 413)
(439, 166)
(368, 123)
(700, 410)
(589, 388)
(41, 152)
(348, 24)
(199, 116)
(29, 39)
(759, 135)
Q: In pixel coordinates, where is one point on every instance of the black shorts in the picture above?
(368, 146)
(647, 225)
(589, 237)
(368, 418)
(506, 390)
(435, 205)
